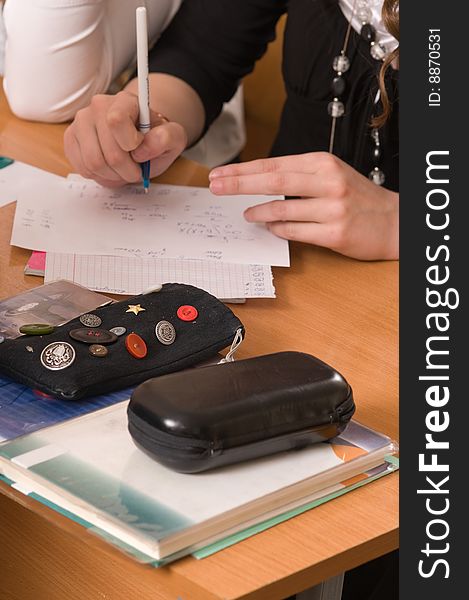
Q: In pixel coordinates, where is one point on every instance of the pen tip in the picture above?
(146, 190)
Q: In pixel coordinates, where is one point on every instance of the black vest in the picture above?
(314, 35)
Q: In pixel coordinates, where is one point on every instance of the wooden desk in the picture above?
(341, 310)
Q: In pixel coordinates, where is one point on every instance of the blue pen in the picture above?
(143, 85)
(145, 168)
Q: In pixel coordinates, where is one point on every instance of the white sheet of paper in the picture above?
(81, 217)
(12, 176)
(120, 275)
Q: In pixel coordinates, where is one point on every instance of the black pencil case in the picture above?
(228, 413)
(180, 326)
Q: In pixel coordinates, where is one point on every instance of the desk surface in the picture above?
(341, 310)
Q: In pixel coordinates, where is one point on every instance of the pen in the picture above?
(143, 86)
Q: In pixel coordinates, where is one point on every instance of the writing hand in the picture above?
(103, 142)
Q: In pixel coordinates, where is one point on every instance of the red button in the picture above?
(187, 313)
(135, 346)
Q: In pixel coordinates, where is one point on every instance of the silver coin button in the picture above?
(165, 332)
(118, 330)
(90, 320)
(58, 355)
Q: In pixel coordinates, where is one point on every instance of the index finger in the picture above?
(309, 210)
(310, 162)
(280, 182)
(122, 118)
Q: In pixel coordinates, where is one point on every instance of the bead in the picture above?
(336, 108)
(377, 51)
(377, 176)
(375, 135)
(376, 155)
(338, 86)
(368, 32)
(341, 64)
(364, 14)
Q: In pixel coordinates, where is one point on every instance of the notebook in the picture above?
(131, 275)
(90, 469)
(117, 275)
(23, 410)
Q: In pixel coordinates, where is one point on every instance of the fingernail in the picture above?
(246, 214)
(216, 186)
(215, 173)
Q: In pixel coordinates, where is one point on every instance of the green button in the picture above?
(37, 329)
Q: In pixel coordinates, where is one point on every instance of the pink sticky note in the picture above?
(37, 261)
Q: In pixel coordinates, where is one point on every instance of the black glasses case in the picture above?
(203, 418)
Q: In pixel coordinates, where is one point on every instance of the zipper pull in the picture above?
(237, 341)
(215, 449)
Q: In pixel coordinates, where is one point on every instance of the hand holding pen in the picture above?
(117, 138)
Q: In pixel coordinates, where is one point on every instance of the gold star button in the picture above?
(134, 308)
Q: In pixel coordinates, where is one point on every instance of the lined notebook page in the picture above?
(128, 275)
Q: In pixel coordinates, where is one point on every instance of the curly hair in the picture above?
(390, 14)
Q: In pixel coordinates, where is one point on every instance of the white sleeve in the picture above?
(226, 136)
(59, 53)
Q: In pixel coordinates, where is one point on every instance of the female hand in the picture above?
(103, 142)
(338, 207)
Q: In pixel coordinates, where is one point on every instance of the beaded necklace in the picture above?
(341, 65)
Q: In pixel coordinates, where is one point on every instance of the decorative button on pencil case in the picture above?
(222, 414)
(122, 344)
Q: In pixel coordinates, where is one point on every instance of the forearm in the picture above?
(212, 46)
(56, 57)
(177, 101)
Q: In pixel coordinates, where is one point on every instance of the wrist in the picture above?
(158, 114)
